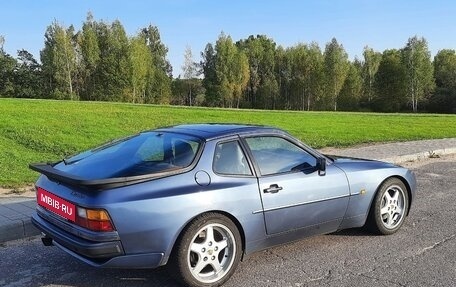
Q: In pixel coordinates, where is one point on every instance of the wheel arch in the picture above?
(407, 186)
(409, 191)
(185, 226)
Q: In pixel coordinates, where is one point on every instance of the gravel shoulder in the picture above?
(25, 191)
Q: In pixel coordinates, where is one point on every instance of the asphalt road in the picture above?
(422, 253)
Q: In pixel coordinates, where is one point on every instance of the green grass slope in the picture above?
(44, 130)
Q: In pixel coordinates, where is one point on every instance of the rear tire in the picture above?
(207, 252)
(389, 208)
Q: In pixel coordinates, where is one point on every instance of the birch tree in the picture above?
(232, 70)
(416, 59)
(140, 65)
(59, 60)
(336, 68)
(370, 67)
(90, 57)
(189, 71)
(158, 89)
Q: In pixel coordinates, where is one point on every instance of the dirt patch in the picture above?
(418, 163)
(25, 191)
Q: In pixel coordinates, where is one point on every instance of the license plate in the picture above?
(56, 204)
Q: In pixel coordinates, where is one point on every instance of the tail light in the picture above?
(94, 219)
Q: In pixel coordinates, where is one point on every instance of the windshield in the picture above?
(145, 153)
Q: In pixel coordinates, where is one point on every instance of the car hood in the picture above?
(356, 164)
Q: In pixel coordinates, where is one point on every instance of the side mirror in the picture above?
(321, 166)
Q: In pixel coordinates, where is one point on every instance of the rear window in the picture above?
(145, 153)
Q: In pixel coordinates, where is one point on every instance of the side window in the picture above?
(229, 159)
(277, 155)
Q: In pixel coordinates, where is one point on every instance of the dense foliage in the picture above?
(101, 62)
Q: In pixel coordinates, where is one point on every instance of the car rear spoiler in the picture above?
(57, 175)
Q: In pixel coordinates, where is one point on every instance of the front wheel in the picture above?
(208, 251)
(389, 207)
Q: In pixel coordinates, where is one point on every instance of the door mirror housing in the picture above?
(321, 166)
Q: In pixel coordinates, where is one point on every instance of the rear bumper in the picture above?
(83, 247)
(107, 254)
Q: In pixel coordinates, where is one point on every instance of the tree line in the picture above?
(100, 62)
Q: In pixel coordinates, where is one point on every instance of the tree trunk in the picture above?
(68, 71)
(415, 105)
(369, 96)
(190, 93)
(308, 103)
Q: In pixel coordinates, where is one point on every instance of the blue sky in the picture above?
(355, 23)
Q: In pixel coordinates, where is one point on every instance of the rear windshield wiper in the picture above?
(76, 157)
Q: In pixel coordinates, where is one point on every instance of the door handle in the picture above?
(273, 188)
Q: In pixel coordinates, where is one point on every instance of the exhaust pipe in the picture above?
(47, 241)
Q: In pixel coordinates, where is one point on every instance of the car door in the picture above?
(294, 195)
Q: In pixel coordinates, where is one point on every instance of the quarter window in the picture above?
(229, 159)
(278, 155)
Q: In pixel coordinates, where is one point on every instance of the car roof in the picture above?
(216, 130)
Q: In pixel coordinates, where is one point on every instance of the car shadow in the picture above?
(353, 232)
(28, 263)
(89, 277)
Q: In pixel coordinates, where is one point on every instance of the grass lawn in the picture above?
(45, 130)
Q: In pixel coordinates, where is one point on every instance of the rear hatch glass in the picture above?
(142, 154)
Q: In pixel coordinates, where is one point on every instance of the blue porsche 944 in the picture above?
(201, 197)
